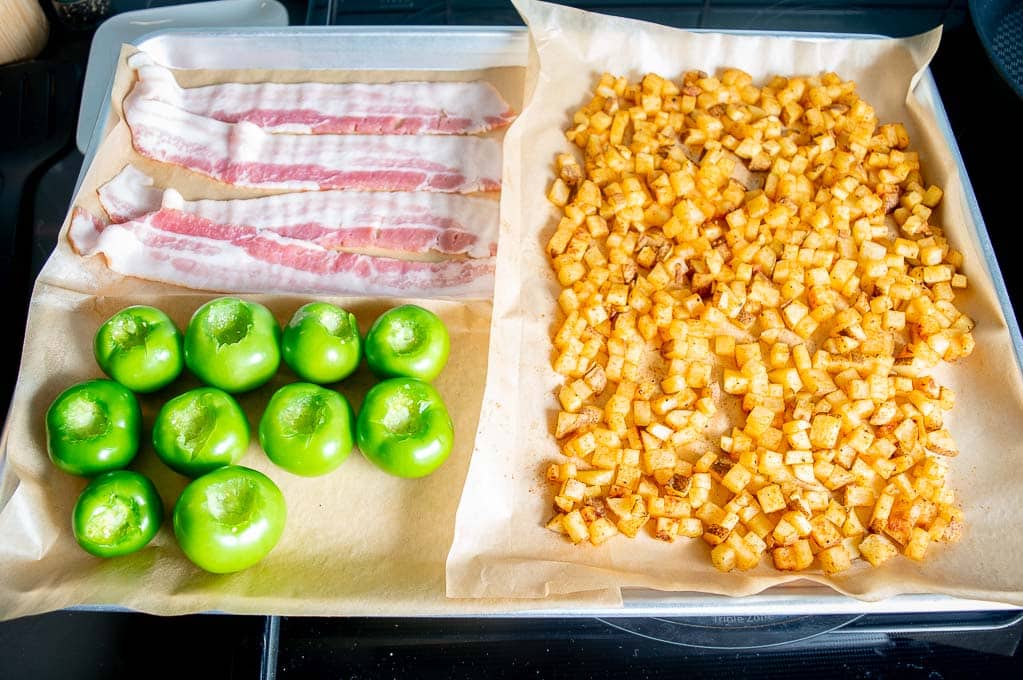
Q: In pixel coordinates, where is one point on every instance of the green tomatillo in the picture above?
(118, 513)
(404, 427)
(233, 344)
(93, 427)
(140, 347)
(322, 343)
(307, 429)
(200, 431)
(408, 341)
(229, 519)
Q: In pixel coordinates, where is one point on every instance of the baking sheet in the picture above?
(501, 547)
(36, 572)
(357, 541)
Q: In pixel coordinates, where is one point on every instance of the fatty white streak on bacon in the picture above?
(165, 246)
(412, 222)
(244, 155)
(131, 193)
(405, 108)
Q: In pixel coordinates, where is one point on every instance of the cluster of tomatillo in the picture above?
(230, 517)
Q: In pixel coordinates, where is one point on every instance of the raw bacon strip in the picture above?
(244, 155)
(182, 249)
(84, 231)
(130, 194)
(403, 108)
(417, 222)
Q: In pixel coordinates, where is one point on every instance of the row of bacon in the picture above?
(378, 181)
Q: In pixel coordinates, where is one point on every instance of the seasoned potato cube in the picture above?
(858, 496)
(834, 559)
(690, 527)
(575, 526)
(666, 529)
(736, 479)
(559, 192)
(723, 557)
(600, 530)
(746, 557)
(784, 558)
(877, 549)
(556, 525)
(824, 431)
(795, 557)
(573, 489)
(824, 533)
(918, 543)
(771, 499)
(595, 477)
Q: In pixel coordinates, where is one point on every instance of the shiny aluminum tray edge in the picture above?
(457, 48)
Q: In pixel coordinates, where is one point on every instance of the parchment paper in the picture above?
(501, 548)
(357, 541)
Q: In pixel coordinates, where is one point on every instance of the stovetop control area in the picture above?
(39, 165)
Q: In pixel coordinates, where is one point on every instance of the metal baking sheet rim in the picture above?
(791, 600)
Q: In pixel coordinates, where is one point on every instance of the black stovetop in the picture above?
(38, 139)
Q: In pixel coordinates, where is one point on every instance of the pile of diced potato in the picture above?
(754, 298)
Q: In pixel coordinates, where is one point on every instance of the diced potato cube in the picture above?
(784, 533)
(834, 559)
(796, 557)
(804, 554)
(799, 522)
(758, 420)
(600, 530)
(771, 499)
(556, 525)
(877, 549)
(564, 504)
(745, 556)
(690, 527)
(559, 193)
(595, 477)
(723, 557)
(573, 489)
(824, 431)
(666, 529)
(918, 543)
(824, 533)
(736, 479)
(575, 526)
(932, 196)
(858, 496)
(853, 526)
